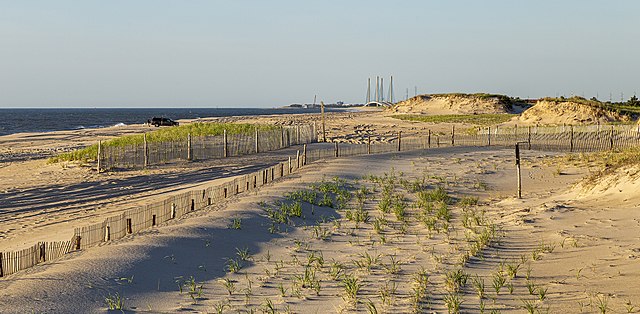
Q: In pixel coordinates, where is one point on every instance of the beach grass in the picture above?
(169, 134)
(476, 119)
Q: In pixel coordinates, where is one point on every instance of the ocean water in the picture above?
(46, 120)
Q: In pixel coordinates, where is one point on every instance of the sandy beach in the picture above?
(403, 233)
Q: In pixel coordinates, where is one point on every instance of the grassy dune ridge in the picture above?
(163, 135)
(477, 119)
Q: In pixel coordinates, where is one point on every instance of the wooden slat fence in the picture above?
(567, 138)
(205, 147)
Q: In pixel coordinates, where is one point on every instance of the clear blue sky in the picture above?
(241, 53)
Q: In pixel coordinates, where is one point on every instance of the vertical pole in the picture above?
(369, 144)
(529, 137)
(399, 140)
(571, 139)
(377, 88)
(611, 139)
(304, 154)
(298, 159)
(335, 148)
(314, 135)
(1, 269)
(257, 149)
(107, 233)
(324, 133)
(518, 170)
(281, 136)
(225, 150)
(189, 147)
(78, 241)
(146, 151)
(453, 135)
(99, 155)
(489, 136)
(289, 165)
(429, 139)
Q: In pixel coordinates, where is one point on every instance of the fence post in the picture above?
(225, 150)
(453, 135)
(313, 133)
(298, 159)
(429, 139)
(146, 151)
(297, 134)
(281, 136)
(518, 170)
(369, 144)
(99, 154)
(43, 252)
(77, 242)
(324, 133)
(304, 154)
(571, 139)
(399, 140)
(489, 135)
(529, 137)
(288, 172)
(129, 227)
(189, 146)
(257, 148)
(611, 139)
(107, 233)
(335, 148)
(1, 268)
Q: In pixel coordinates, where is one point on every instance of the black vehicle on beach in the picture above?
(155, 121)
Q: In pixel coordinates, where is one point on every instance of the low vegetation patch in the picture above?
(476, 119)
(171, 134)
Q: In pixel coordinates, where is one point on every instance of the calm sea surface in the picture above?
(45, 120)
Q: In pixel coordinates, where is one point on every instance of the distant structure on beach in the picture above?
(379, 99)
(339, 104)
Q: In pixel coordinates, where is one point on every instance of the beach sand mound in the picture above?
(440, 104)
(570, 111)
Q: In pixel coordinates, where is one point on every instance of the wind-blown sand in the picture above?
(580, 243)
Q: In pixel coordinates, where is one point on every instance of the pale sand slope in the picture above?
(604, 259)
(567, 112)
(453, 104)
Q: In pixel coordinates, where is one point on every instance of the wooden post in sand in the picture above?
(399, 140)
(78, 240)
(1, 269)
(453, 135)
(518, 170)
(146, 151)
(429, 139)
(257, 149)
(369, 144)
(324, 133)
(107, 233)
(489, 136)
(99, 155)
(289, 165)
(304, 154)
(189, 147)
(298, 159)
(225, 151)
(335, 149)
(571, 139)
(611, 139)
